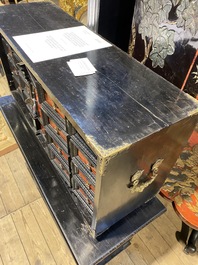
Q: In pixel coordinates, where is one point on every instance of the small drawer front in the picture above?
(82, 182)
(83, 187)
(84, 149)
(79, 165)
(62, 158)
(57, 150)
(38, 104)
(12, 63)
(16, 58)
(80, 194)
(91, 167)
(63, 173)
(24, 79)
(56, 138)
(23, 82)
(17, 83)
(61, 163)
(84, 163)
(53, 115)
(54, 106)
(58, 130)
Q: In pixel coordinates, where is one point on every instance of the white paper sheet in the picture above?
(59, 43)
(81, 66)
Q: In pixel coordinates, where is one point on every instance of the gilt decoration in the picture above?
(75, 8)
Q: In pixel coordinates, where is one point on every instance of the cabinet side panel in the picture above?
(134, 176)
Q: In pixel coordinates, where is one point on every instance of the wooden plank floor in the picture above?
(29, 234)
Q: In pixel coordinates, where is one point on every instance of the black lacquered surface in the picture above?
(85, 249)
(123, 102)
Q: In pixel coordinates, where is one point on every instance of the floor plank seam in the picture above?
(156, 261)
(1, 260)
(171, 246)
(42, 232)
(128, 254)
(20, 208)
(20, 238)
(18, 185)
(3, 206)
(163, 246)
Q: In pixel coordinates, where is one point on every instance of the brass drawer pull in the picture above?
(137, 184)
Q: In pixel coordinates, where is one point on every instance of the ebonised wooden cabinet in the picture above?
(112, 136)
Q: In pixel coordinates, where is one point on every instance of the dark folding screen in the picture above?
(115, 20)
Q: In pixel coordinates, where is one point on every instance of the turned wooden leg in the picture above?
(190, 248)
(182, 236)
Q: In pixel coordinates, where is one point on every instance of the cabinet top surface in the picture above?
(120, 104)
